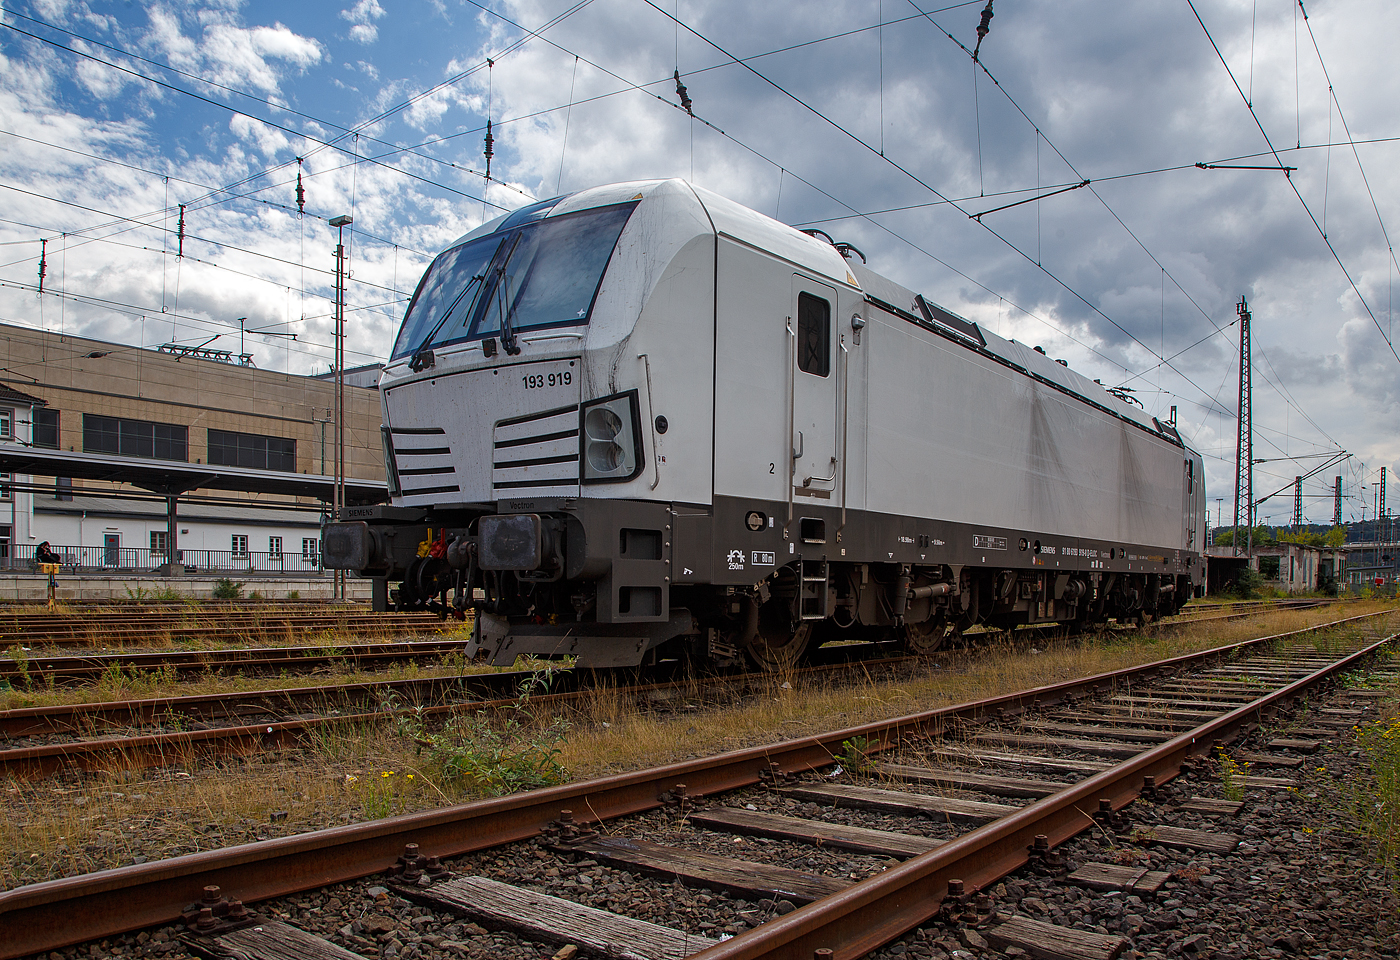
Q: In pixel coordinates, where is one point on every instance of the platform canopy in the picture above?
(171, 478)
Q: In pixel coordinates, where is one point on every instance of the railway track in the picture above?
(988, 786)
(116, 629)
(41, 671)
(161, 731)
(23, 669)
(225, 623)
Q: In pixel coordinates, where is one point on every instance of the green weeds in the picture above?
(1232, 777)
(226, 589)
(855, 755)
(497, 752)
(1378, 803)
(386, 793)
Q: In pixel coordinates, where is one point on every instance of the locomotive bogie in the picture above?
(741, 444)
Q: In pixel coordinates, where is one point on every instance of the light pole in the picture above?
(338, 495)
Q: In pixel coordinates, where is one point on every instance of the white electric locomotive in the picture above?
(643, 421)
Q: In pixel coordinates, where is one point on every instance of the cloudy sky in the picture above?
(865, 118)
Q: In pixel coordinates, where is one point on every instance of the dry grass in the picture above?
(57, 828)
(132, 684)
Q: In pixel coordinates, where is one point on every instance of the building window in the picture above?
(135, 438)
(813, 334)
(7, 492)
(308, 549)
(5, 534)
(7, 424)
(46, 428)
(240, 545)
(274, 547)
(63, 488)
(229, 449)
(160, 542)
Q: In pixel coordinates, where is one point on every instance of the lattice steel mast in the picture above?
(1244, 441)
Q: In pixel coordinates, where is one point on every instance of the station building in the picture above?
(171, 406)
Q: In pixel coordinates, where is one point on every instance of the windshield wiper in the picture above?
(504, 305)
(423, 356)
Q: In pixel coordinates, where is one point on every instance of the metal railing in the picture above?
(107, 559)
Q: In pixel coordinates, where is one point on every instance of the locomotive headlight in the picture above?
(609, 439)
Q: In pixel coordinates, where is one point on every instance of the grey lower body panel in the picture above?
(594, 645)
(730, 545)
(607, 598)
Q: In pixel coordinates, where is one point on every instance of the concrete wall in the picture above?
(30, 588)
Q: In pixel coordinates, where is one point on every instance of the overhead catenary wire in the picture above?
(147, 311)
(928, 186)
(189, 93)
(781, 176)
(1019, 109)
(1346, 128)
(1113, 213)
(142, 223)
(1269, 142)
(345, 131)
(759, 154)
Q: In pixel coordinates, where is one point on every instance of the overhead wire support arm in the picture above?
(1308, 210)
(978, 216)
(1231, 166)
(1336, 459)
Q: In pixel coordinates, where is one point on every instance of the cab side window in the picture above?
(813, 335)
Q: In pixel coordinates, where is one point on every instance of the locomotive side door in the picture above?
(813, 373)
(1189, 500)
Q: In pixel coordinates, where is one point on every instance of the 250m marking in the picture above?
(538, 381)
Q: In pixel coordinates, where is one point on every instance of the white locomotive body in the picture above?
(644, 421)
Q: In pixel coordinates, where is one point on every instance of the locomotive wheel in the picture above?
(779, 642)
(921, 639)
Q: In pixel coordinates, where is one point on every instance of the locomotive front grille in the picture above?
(536, 455)
(423, 462)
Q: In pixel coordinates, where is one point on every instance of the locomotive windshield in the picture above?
(540, 274)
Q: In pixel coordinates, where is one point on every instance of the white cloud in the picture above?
(229, 53)
(271, 142)
(363, 15)
(240, 57)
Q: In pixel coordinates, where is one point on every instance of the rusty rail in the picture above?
(868, 915)
(42, 669)
(135, 751)
(57, 913)
(117, 630)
